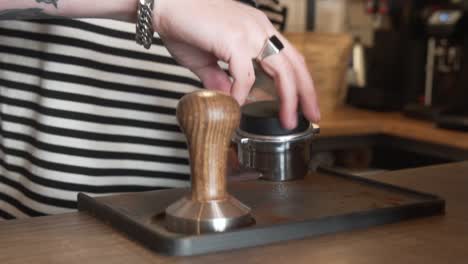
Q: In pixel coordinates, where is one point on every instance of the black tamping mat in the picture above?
(322, 203)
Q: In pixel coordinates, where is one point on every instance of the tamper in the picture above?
(208, 120)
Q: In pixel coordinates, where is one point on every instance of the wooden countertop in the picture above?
(79, 238)
(351, 121)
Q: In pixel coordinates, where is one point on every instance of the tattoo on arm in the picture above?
(29, 13)
(54, 2)
(25, 14)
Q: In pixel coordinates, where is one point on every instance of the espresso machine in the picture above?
(418, 60)
(446, 34)
(451, 76)
(283, 201)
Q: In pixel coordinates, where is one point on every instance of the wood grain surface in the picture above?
(79, 238)
(208, 120)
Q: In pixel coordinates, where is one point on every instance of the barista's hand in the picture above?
(198, 33)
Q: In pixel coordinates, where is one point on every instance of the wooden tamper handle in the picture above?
(208, 120)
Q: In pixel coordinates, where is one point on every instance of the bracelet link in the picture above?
(144, 25)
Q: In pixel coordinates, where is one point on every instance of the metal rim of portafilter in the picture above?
(264, 146)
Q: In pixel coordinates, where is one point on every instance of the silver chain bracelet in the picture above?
(144, 24)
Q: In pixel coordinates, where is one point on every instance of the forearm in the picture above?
(38, 9)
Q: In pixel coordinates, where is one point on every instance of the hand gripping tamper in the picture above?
(208, 120)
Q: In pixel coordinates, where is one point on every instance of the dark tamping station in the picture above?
(287, 202)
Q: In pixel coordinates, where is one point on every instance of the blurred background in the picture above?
(405, 55)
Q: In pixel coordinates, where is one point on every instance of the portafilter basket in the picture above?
(265, 146)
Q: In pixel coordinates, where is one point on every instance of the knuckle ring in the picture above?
(272, 46)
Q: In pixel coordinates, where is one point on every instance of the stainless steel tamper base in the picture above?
(195, 217)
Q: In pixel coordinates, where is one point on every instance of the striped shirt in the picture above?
(84, 109)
